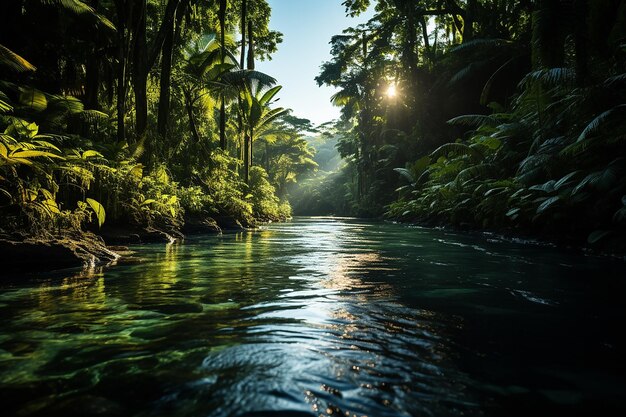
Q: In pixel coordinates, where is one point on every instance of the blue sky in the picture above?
(307, 26)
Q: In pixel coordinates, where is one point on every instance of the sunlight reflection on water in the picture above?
(316, 317)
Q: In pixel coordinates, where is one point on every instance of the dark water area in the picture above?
(320, 317)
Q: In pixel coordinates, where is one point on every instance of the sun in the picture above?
(391, 91)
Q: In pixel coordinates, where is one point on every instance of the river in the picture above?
(320, 317)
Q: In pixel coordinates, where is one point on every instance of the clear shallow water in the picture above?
(320, 317)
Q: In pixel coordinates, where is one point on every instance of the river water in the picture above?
(320, 317)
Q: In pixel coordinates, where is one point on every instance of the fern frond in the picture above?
(599, 120)
(250, 76)
(92, 116)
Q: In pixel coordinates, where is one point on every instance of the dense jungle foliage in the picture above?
(485, 114)
(141, 113)
(489, 114)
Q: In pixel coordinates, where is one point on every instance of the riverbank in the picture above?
(70, 249)
(603, 247)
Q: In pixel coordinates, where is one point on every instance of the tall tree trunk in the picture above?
(244, 17)
(166, 73)
(468, 21)
(222, 18)
(250, 46)
(92, 80)
(241, 65)
(140, 72)
(167, 25)
(250, 67)
(247, 148)
(195, 135)
(192, 120)
(580, 41)
(121, 69)
(425, 34)
(92, 73)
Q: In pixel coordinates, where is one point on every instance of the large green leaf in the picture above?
(549, 202)
(98, 209)
(33, 154)
(269, 94)
(33, 98)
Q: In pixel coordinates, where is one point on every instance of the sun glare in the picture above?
(391, 91)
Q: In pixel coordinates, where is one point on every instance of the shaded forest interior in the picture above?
(149, 114)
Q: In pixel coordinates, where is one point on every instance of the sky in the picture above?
(307, 27)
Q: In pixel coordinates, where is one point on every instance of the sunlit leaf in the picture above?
(91, 154)
(98, 209)
(33, 154)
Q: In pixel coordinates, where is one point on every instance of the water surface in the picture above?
(320, 317)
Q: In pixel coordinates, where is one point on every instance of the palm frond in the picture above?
(5, 103)
(600, 120)
(467, 71)
(615, 79)
(479, 45)
(472, 120)
(13, 62)
(487, 87)
(272, 115)
(269, 94)
(343, 97)
(551, 77)
(240, 77)
(79, 8)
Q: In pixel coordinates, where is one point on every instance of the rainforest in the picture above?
(184, 230)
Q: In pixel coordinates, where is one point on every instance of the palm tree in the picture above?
(257, 117)
(222, 19)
